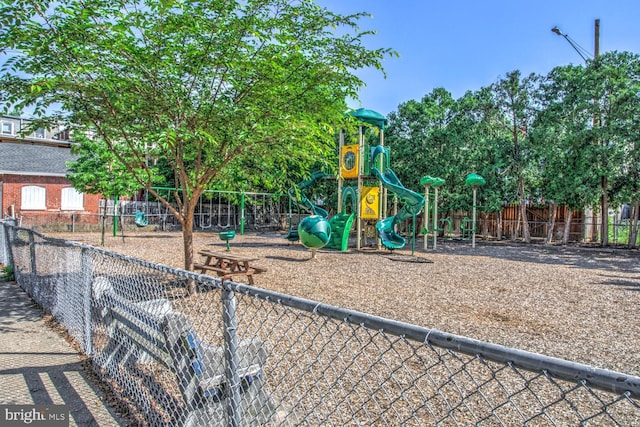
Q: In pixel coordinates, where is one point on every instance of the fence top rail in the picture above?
(576, 372)
(248, 193)
(209, 280)
(604, 379)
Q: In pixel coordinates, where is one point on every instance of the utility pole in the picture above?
(604, 182)
(596, 43)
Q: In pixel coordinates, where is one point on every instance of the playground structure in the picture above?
(363, 204)
(363, 164)
(314, 232)
(364, 181)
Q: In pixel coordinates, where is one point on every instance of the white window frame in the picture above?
(10, 124)
(39, 133)
(34, 197)
(71, 199)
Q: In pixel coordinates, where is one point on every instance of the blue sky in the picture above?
(468, 44)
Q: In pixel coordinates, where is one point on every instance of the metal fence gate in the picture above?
(233, 354)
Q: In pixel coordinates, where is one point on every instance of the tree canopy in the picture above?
(222, 91)
(568, 138)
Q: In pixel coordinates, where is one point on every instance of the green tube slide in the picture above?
(411, 202)
(299, 199)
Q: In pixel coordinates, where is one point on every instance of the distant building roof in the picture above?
(33, 159)
(16, 129)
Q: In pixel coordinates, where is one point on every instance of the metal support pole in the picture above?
(232, 360)
(115, 216)
(426, 216)
(473, 232)
(360, 171)
(382, 191)
(413, 235)
(9, 237)
(435, 219)
(340, 180)
(242, 214)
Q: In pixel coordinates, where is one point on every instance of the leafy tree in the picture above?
(417, 135)
(565, 156)
(623, 122)
(595, 109)
(515, 98)
(222, 91)
(449, 138)
(615, 79)
(97, 171)
(486, 153)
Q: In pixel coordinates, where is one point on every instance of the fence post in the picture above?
(87, 274)
(32, 253)
(231, 356)
(4, 244)
(9, 234)
(242, 219)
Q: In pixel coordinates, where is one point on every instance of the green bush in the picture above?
(6, 273)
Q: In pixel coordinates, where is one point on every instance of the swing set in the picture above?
(227, 210)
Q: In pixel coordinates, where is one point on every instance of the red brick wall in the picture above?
(52, 215)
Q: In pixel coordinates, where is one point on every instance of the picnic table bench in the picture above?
(228, 265)
(152, 331)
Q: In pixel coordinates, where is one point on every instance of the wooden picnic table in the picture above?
(228, 265)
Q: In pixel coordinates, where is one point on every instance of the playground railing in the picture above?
(316, 364)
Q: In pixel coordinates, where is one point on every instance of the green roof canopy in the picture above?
(426, 180)
(474, 180)
(370, 116)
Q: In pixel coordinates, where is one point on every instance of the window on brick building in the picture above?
(72, 199)
(34, 197)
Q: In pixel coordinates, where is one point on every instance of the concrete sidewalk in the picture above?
(38, 366)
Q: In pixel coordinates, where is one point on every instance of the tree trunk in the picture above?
(633, 225)
(526, 235)
(187, 239)
(594, 225)
(499, 225)
(567, 227)
(605, 213)
(485, 226)
(553, 211)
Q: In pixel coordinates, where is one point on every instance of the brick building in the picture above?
(33, 184)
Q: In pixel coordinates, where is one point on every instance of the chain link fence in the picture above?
(233, 354)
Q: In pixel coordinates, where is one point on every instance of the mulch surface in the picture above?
(576, 303)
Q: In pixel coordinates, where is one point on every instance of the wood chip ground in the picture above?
(574, 303)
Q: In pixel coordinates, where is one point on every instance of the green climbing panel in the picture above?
(340, 229)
